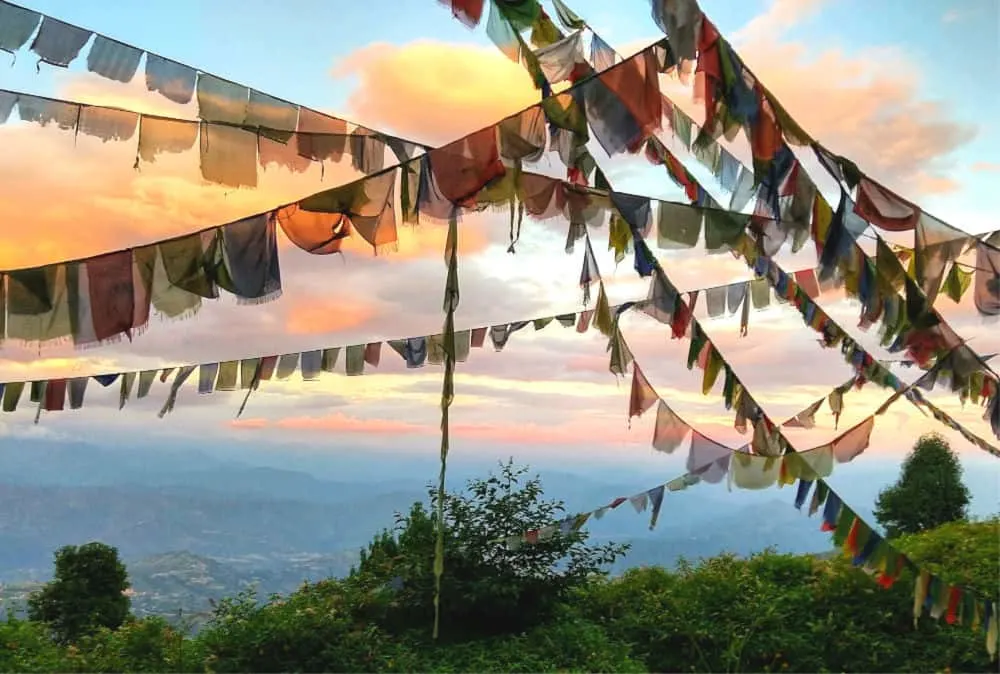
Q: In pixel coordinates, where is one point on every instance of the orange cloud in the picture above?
(779, 17)
(434, 90)
(931, 184)
(986, 167)
(428, 240)
(865, 106)
(76, 196)
(337, 422)
(500, 433)
(311, 315)
(128, 96)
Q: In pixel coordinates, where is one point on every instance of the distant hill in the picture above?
(245, 516)
(182, 585)
(143, 521)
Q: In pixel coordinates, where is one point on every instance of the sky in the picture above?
(902, 88)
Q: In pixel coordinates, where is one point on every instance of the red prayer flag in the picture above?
(468, 12)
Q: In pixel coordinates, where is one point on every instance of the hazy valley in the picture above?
(195, 526)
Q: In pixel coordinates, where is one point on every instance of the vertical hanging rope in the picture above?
(451, 297)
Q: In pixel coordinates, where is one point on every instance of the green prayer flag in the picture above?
(677, 226)
(563, 112)
(521, 14)
(956, 283)
(681, 124)
(544, 32)
(723, 228)
(567, 17)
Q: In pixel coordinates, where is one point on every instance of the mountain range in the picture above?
(194, 525)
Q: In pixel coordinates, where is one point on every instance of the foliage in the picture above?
(570, 643)
(311, 630)
(928, 493)
(27, 646)
(725, 614)
(86, 593)
(777, 613)
(963, 553)
(769, 612)
(148, 645)
(488, 588)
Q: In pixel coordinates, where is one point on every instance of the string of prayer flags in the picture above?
(670, 430)
(734, 98)
(106, 297)
(933, 595)
(235, 140)
(702, 352)
(876, 298)
(247, 374)
(313, 134)
(973, 382)
(708, 461)
(569, 200)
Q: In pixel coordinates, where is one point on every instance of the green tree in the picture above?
(928, 493)
(488, 588)
(88, 592)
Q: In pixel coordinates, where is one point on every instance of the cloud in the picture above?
(125, 95)
(866, 104)
(779, 18)
(497, 433)
(986, 167)
(312, 315)
(951, 16)
(934, 184)
(433, 90)
(337, 423)
(106, 203)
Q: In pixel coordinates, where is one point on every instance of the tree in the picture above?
(488, 588)
(928, 493)
(87, 592)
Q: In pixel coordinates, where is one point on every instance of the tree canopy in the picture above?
(489, 588)
(87, 592)
(928, 493)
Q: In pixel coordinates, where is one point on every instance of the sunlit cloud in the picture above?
(460, 88)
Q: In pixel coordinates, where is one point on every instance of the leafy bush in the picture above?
(311, 630)
(792, 613)
(147, 645)
(27, 646)
(569, 643)
(487, 589)
(966, 553)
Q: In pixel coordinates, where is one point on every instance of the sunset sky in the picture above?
(905, 89)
